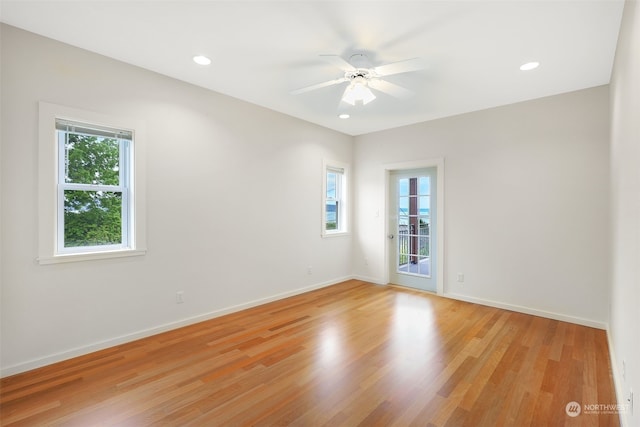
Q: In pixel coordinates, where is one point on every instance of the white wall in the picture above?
(625, 180)
(526, 203)
(233, 203)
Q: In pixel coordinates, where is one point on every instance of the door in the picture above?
(412, 228)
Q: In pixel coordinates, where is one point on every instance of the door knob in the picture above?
(390, 236)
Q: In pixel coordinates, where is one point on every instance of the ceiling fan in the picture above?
(362, 77)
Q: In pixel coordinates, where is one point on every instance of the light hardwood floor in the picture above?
(346, 355)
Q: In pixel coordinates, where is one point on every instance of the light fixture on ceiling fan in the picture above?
(358, 90)
(363, 78)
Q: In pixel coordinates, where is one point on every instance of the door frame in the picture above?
(438, 164)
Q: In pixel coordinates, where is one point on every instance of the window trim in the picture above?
(48, 162)
(344, 211)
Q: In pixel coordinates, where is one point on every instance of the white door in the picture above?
(412, 228)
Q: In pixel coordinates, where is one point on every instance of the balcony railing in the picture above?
(413, 246)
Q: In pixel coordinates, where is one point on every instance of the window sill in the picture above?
(90, 256)
(336, 234)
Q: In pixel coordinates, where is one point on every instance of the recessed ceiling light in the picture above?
(344, 116)
(529, 66)
(201, 60)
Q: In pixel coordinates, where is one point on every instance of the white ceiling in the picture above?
(262, 50)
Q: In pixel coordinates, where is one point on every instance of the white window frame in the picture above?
(342, 191)
(51, 194)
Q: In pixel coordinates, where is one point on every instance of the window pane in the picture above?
(424, 205)
(331, 221)
(424, 266)
(424, 246)
(424, 185)
(404, 187)
(403, 206)
(332, 179)
(92, 218)
(92, 160)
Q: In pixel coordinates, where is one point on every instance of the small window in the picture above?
(334, 204)
(94, 188)
(91, 185)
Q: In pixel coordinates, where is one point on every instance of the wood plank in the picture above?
(349, 354)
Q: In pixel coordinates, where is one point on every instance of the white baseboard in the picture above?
(373, 280)
(101, 345)
(527, 310)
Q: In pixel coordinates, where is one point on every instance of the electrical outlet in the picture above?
(460, 277)
(309, 270)
(179, 297)
(366, 261)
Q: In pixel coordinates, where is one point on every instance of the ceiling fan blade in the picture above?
(339, 62)
(319, 86)
(390, 88)
(406, 66)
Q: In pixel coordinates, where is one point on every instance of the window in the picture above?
(91, 186)
(334, 203)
